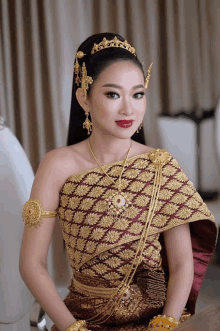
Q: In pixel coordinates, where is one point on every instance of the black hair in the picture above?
(95, 64)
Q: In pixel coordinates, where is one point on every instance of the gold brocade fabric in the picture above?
(101, 248)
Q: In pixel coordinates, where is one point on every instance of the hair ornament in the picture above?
(81, 74)
(85, 80)
(148, 76)
(113, 43)
(79, 55)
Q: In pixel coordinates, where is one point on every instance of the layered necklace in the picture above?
(119, 201)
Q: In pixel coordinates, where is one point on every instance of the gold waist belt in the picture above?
(93, 291)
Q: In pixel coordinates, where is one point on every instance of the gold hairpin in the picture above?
(81, 75)
(148, 76)
(79, 55)
(85, 80)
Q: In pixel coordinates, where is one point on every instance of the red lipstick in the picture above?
(125, 124)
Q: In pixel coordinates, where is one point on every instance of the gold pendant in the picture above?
(117, 203)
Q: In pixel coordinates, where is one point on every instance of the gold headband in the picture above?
(81, 74)
(113, 43)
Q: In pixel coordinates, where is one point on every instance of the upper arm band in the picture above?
(33, 213)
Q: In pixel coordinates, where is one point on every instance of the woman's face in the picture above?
(118, 94)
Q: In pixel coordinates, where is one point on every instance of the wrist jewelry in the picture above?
(164, 321)
(79, 325)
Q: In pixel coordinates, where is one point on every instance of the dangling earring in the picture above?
(139, 128)
(87, 124)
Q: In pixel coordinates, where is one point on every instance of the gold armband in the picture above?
(33, 213)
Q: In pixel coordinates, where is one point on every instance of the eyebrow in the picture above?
(120, 87)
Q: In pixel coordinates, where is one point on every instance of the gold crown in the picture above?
(113, 43)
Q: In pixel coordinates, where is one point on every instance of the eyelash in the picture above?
(109, 94)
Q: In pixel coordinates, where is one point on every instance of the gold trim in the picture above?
(94, 291)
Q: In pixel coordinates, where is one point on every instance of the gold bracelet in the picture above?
(164, 321)
(78, 325)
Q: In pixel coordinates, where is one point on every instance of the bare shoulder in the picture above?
(139, 148)
(66, 161)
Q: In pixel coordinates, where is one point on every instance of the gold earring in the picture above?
(87, 124)
(148, 76)
(139, 128)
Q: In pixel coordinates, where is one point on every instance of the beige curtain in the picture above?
(39, 39)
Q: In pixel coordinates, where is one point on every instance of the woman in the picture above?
(138, 235)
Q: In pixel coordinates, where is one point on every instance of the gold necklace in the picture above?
(119, 201)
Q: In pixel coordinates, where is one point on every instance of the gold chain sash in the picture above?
(159, 158)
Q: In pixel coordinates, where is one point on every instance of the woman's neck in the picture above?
(109, 149)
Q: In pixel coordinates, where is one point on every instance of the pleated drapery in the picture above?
(39, 39)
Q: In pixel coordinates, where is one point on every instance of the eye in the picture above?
(112, 95)
(138, 95)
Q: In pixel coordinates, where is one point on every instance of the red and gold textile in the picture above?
(101, 247)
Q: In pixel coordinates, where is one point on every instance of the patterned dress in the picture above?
(102, 247)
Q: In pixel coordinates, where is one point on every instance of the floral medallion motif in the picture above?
(117, 203)
(32, 212)
(160, 156)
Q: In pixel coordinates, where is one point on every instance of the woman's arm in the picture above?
(43, 289)
(181, 269)
(36, 242)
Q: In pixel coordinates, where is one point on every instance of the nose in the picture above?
(126, 107)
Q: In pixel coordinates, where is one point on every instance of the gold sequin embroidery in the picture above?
(92, 179)
(92, 218)
(112, 236)
(184, 213)
(85, 231)
(140, 164)
(86, 204)
(136, 186)
(142, 201)
(69, 188)
(82, 190)
(173, 185)
(131, 173)
(64, 200)
(169, 209)
(68, 215)
(96, 192)
(98, 234)
(78, 216)
(74, 202)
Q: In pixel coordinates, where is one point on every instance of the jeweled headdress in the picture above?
(81, 74)
(113, 43)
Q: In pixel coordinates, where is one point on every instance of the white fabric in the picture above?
(16, 178)
(178, 136)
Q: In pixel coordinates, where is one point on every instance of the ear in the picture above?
(84, 102)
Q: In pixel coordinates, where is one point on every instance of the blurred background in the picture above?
(39, 40)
